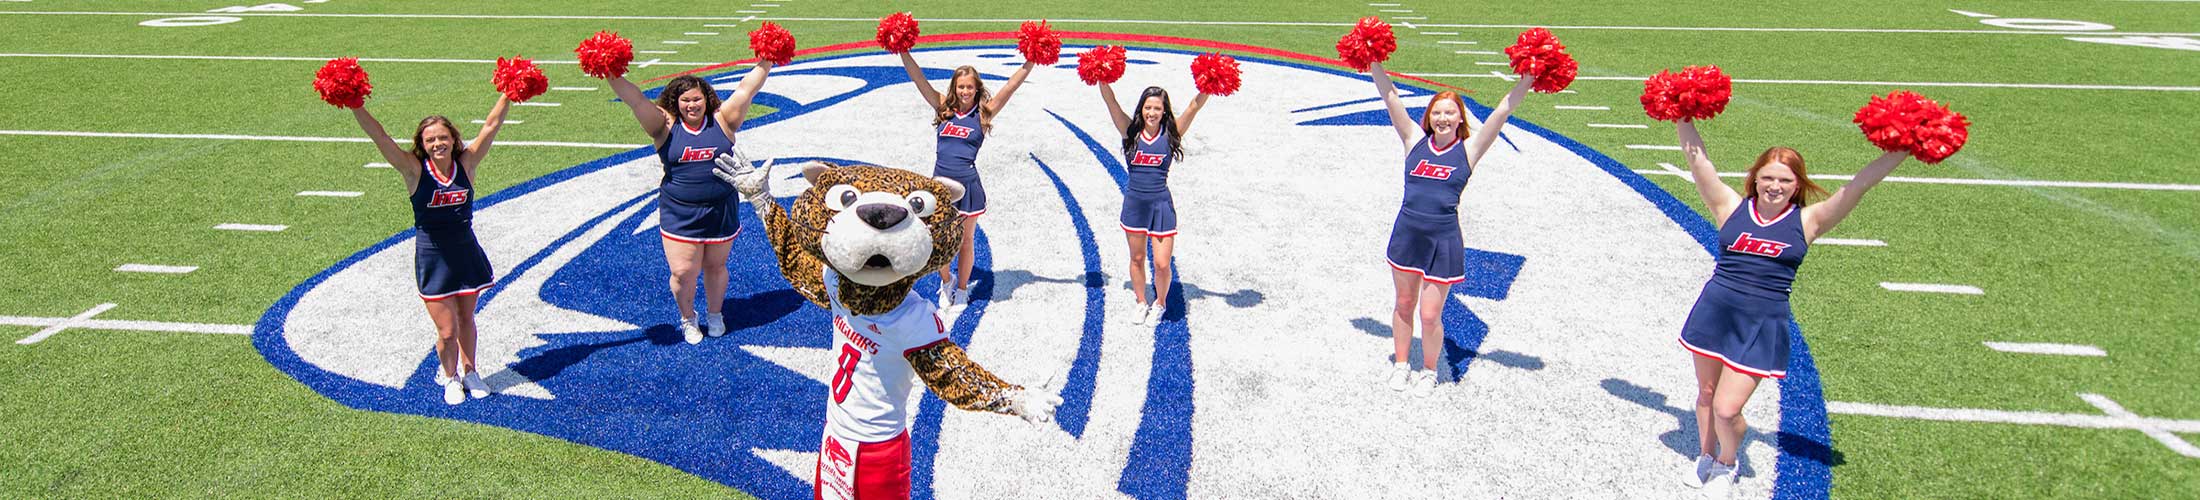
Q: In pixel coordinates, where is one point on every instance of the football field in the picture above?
(205, 271)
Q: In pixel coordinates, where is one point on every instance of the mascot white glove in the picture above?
(751, 181)
(1035, 405)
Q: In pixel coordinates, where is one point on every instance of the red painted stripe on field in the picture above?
(1067, 35)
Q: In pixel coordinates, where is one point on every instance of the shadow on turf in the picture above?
(1682, 439)
(1453, 352)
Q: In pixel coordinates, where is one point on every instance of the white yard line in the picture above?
(2038, 86)
(1969, 13)
(1492, 63)
(1442, 33)
(2012, 417)
(1476, 52)
(268, 228)
(1979, 182)
(387, 165)
(154, 269)
(332, 194)
(56, 325)
(657, 52)
(1676, 171)
(235, 137)
(1618, 125)
(1844, 242)
(1932, 288)
(2040, 348)
(1013, 21)
(2144, 425)
(701, 33)
(64, 324)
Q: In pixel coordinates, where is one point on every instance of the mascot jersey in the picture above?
(869, 395)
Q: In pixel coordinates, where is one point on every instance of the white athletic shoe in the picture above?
(440, 378)
(962, 297)
(1694, 477)
(1424, 383)
(453, 394)
(1400, 373)
(946, 295)
(474, 386)
(1141, 313)
(1153, 314)
(714, 325)
(1718, 483)
(687, 329)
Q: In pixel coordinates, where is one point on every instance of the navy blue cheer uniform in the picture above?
(1742, 316)
(693, 205)
(1147, 206)
(447, 260)
(960, 138)
(1425, 239)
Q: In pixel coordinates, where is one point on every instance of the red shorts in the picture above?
(849, 470)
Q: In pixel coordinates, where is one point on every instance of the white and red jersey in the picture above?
(868, 399)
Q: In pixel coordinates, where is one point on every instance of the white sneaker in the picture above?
(1141, 314)
(961, 297)
(1153, 313)
(453, 394)
(947, 293)
(1400, 373)
(440, 378)
(474, 385)
(1694, 477)
(687, 329)
(714, 325)
(1424, 382)
(1718, 483)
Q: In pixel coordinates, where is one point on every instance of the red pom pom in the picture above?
(1369, 42)
(1215, 74)
(897, 32)
(1905, 121)
(519, 79)
(772, 43)
(1559, 75)
(605, 55)
(1039, 43)
(342, 83)
(1538, 53)
(1102, 64)
(1695, 93)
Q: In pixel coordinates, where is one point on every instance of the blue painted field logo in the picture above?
(1264, 380)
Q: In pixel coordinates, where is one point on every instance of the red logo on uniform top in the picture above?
(1148, 159)
(1754, 246)
(1433, 171)
(697, 154)
(955, 131)
(448, 197)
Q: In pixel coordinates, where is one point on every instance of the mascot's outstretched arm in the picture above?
(802, 268)
(961, 382)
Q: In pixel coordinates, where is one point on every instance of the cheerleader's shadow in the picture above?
(758, 310)
(1682, 439)
(1452, 350)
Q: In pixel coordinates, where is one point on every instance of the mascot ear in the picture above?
(812, 170)
(954, 189)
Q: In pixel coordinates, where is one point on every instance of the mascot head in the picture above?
(878, 226)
